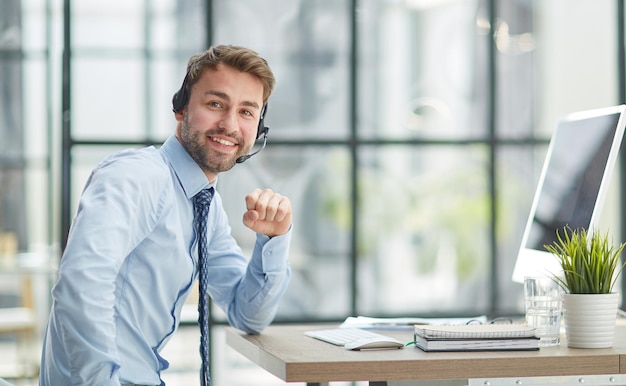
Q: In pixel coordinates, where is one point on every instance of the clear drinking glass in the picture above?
(544, 308)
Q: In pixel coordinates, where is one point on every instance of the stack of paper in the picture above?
(476, 337)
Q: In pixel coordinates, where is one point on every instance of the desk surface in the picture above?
(293, 357)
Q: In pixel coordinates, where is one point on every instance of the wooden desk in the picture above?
(293, 357)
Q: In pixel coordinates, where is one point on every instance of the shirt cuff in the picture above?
(274, 251)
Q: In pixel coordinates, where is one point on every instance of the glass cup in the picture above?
(544, 308)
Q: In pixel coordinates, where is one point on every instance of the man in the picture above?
(132, 254)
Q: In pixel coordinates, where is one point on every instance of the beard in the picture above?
(209, 161)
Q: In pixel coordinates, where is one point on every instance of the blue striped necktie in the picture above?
(201, 202)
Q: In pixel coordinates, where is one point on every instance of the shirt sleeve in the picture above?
(114, 214)
(249, 291)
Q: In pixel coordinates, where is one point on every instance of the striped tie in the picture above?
(201, 202)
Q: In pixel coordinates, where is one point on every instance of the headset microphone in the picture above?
(243, 158)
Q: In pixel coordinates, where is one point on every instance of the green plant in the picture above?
(590, 263)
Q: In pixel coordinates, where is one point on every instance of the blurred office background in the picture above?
(409, 136)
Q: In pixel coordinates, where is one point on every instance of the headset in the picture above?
(181, 98)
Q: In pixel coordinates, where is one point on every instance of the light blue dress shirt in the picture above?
(130, 262)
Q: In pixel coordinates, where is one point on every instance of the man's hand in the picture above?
(268, 213)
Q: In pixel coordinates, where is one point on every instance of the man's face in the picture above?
(220, 121)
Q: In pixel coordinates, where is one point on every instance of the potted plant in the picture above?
(591, 265)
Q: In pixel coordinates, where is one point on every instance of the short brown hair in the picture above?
(240, 58)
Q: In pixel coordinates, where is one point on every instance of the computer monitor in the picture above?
(573, 184)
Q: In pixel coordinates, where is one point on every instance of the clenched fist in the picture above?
(267, 213)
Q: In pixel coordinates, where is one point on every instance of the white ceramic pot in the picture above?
(590, 319)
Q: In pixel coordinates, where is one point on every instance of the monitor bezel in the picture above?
(532, 261)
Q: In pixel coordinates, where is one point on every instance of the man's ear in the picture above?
(179, 115)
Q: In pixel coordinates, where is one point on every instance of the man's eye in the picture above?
(247, 113)
(215, 104)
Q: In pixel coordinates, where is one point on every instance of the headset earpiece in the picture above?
(262, 129)
(181, 98)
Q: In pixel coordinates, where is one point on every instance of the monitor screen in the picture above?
(573, 184)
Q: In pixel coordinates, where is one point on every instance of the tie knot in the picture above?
(203, 198)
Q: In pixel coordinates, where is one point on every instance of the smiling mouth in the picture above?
(222, 141)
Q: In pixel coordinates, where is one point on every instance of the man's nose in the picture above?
(228, 119)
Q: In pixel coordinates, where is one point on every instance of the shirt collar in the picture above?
(190, 176)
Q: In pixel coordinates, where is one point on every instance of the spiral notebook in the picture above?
(475, 331)
(482, 337)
